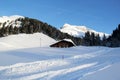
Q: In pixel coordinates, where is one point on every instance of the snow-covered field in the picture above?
(29, 57)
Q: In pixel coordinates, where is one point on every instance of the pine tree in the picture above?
(114, 39)
(16, 30)
(92, 43)
(2, 31)
(6, 31)
(11, 30)
(104, 40)
(98, 40)
(87, 38)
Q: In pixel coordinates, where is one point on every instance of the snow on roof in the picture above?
(69, 40)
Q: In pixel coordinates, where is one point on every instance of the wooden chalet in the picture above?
(65, 43)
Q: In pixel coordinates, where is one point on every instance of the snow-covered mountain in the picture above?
(10, 20)
(79, 31)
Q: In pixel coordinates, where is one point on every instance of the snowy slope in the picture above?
(10, 20)
(25, 41)
(45, 63)
(79, 31)
(109, 73)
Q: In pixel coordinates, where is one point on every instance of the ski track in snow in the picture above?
(73, 66)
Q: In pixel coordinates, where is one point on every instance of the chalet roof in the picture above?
(68, 40)
(63, 43)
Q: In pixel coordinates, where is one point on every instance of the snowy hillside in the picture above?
(25, 41)
(79, 31)
(45, 63)
(10, 20)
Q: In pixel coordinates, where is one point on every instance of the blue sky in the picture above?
(100, 15)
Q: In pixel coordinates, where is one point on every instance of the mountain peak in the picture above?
(79, 31)
(82, 28)
(9, 18)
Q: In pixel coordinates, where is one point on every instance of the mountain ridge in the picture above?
(79, 31)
